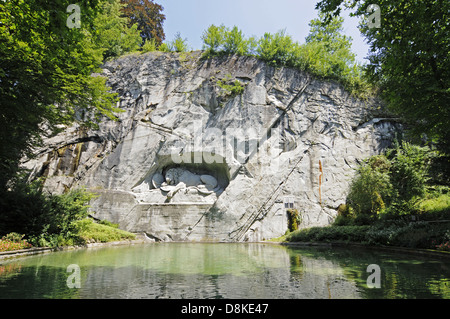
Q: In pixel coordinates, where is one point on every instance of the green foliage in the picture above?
(294, 219)
(45, 75)
(407, 234)
(278, 49)
(13, 237)
(108, 223)
(165, 47)
(231, 88)
(326, 53)
(436, 205)
(371, 187)
(235, 42)
(400, 233)
(329, 234)
(47, 220)
(177, 45)
(112, 34)
(409, 171)
(391, 183)
(89, 231)
(409, 62)
(149, 46)
(213, 39)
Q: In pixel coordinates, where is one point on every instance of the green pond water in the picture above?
(200, 271)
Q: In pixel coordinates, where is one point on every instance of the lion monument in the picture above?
(177, 179)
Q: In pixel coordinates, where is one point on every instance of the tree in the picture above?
(330, 50)
(148, 17)
(213, 39)
(45, 75)
(371, 188)
(409, 60)
(112, 32)
(278, 49)
(236, 43)
(179, 44)
(336, 45)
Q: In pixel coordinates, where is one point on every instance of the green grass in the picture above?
(431, 231)
(89, 231)
(436, 205)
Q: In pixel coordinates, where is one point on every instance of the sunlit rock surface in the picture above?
(281, 135)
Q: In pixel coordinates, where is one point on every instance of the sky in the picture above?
(254, 17)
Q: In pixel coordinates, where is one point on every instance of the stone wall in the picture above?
(287, 135)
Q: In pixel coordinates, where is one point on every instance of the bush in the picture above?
(408, 172)
(89, 231)
(294, 219)
(371, 188)
(13, 241)
(329, 234)
(326, 52)
(235, 43)
(231, 88)
(277, 49)
(149, 46)
(213, 39)
(392, 184)
(47, 220)
(177, 45)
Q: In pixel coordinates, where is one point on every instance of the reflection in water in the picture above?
(200, 271)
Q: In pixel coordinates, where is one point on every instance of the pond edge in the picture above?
(46, 250)
(412, 251)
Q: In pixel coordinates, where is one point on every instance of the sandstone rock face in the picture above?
(282, 134)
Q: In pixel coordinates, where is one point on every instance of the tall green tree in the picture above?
(45, 74)
(333, 42)
(408, 59)
(113, 33)
(328, 51)
(148, 17)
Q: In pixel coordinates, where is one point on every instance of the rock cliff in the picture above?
(216, 149)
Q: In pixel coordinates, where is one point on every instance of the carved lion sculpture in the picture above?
(179, 178)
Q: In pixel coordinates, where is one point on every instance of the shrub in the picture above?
(231, 88)
(47, 220)
(179, 44)
(294, 219)
(234, 42)
(13, 241)
(149, 46)
(213, 39)
(89, 231)
(277, 49)
(329, 234)
(409, 170)
(371, 187)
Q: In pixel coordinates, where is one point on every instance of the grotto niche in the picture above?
(169, 182)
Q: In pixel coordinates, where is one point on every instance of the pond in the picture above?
(230, 271)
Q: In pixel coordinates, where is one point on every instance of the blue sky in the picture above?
(253, 17)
